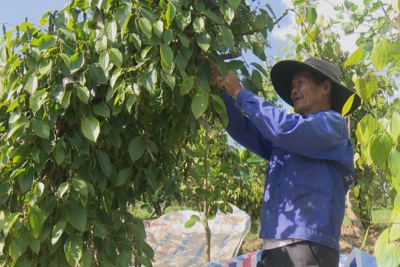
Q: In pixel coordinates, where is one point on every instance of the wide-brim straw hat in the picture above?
(283, 72)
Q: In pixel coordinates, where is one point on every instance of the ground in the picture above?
(348, 241)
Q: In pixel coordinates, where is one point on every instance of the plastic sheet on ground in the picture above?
(175, 245)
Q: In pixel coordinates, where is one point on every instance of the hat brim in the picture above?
(283, 72)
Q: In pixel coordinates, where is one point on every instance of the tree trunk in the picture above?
(207, 255)
(354, 217)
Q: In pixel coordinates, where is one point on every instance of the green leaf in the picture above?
(123, 176)
(36, 101)
(76, 216)
(390, 255)
(116, 57)
(114, 78)
(227, 37)
(46, 41)
(228, 12)
(381, 54)
(45, 66)
(81, 186)
(34, 244)
(204, 41)
(256, 79)
(41, 128)
(396, 5)
(192, 221)
(76, 62)
(9, 222)
(70, 35)
(380, 148)
(100, 230)
(15, 250)
(214, 17)
(365, 129)
(199, 24)
(66, 99)
(57, 231)
(361, 88)
(73, 250)
(394, 160)
(158, 28)
(104, 161)
(184, 40)
(145, 26)
(219, 107)
(36, 219)
(170, 14)
(31, 82)
(136, 148)
(395, 221)
(86, 259)
(111, 30)
(199, 103)
(83, 93)
(312, 16)
(355, 57)
(187, 85)
(130, 103)
(167, 55)
(381, 243)
(234, 3)
(90, 128)
(97, 74)
(184, 19)
(137, 42)
(347, 105)
(4, 193)
(104, 60)
(14, 129)
(59, 153)
(102, 110)
(151, 178)
(62, 189)
(168, 79)
(395, 126)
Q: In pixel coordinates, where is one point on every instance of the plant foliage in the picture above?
(96, 105)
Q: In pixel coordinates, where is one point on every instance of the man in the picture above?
(310, 158)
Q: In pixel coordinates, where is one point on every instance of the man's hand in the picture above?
(230, 82)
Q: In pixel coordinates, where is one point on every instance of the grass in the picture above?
(381, 216)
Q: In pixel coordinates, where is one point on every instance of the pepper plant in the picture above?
(96, 104)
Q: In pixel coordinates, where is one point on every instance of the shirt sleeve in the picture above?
(243, 130)
(322, 135)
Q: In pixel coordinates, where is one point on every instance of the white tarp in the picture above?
(174, 245)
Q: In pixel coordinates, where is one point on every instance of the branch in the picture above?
(285, 12)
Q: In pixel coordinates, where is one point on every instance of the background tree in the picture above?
(97, 104)
(373, 71)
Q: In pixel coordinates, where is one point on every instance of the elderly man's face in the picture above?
(307, 96)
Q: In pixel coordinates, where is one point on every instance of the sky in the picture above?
(13, 12)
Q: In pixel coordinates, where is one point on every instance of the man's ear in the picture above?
(327, 86)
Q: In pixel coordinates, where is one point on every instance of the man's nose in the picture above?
(294, 91)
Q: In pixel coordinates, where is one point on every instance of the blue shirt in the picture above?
(310, 167)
